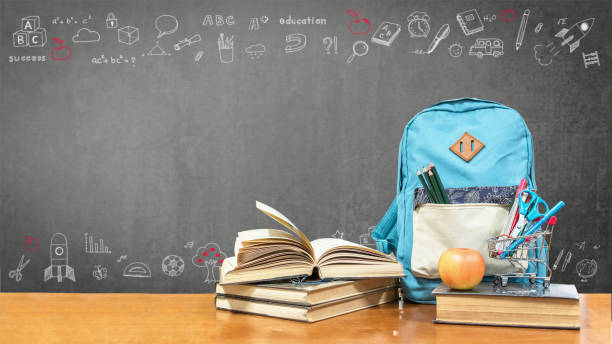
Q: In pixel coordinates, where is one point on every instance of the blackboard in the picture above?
(143, 155)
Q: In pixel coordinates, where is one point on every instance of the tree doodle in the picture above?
(210, 257)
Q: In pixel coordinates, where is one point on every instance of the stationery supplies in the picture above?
(439, 181)
(519, 305)
(521, 32)
(425, 186)
(432, 184)
(529, 209)
(513, 210)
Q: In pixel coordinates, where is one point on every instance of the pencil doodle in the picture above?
(137, 270)
(455, 50)
(187, 42)
(365, 239)
(442, 33)
(31, 35)
(358, 26)
(586, 268)
(29, 243)
(255, 51)
(226, 48)
(487, 47)
(111, 21)
(95, 247)
(99, 272)
(58, 256)
(590, 59)
(568, 258)
(559, 256)
(173, 265)
(470, 22)
(16, 274)
(360, 48)
(165, 24)
(521, 32)
(386, 33)
(338, 234)
(330, 43)
(538, 28)
(210, 257)
(297, 42)
(122, 257)
(157, 50)
(418, 24)
(85, 35)
(128, 35)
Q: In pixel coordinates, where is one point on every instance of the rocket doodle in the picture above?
(58, 254)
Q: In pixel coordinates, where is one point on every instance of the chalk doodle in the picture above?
(29, 243)
(187, 42)
(226, 48)
(538, 28)
(16, 274)
(568, 259)
(596, 246)
(562, 21)
(386, 33)
(507, 15)
(210, 257)
(137, 270)
(558, 260)
(111, 21)
(95, 247)
(128, 35)
(360, 48)
(255, 51)
(489, 18)
(455, 50)
(442, 33)
(61, 52)
(365, 239)
(521, 31)
(99, 272)
(165, 24)
(31, 35)
(85, 35)
(487, 47)
(470, 22)
(586, 268)
(198, 56)
(122, 257)
(157, 50)
(189, 244)
(71, 20)
(113, 60)
(545, 53)
(296, 42)
(330, 43)
(58, 256)
(418, 24)
(338, 234)
(590, 59)
(173, 265)
(254, 24)
(358, 26)
(580, 245)
(219, 20)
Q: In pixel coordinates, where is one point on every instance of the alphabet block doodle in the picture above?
(38, 38)
(20, 39)
(30, 23)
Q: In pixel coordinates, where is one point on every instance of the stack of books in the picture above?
(283, 274)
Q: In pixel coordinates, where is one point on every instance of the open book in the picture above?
(269, 254)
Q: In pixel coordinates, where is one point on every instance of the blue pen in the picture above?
(534, 228)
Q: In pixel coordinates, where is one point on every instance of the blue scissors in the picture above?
(530, 205)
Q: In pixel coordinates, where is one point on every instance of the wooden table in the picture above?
(165, 318)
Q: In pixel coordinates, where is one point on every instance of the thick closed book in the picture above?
(515, 305)
(306, 313)
(306, 294)
(272, 254)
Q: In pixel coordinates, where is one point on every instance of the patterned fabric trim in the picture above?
(478, 194)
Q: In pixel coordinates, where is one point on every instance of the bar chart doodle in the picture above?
(590, 59)
(95, 247)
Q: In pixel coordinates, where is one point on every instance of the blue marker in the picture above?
(534, 228)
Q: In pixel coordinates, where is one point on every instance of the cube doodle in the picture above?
(20, 39)
(30, 23)
(31, 34)
(38, 38)
(128, 35)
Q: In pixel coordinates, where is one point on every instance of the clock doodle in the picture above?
(418, 24)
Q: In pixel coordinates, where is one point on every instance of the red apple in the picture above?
(60, 53)
(461, 268)
(359, 26)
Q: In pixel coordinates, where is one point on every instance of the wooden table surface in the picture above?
(192, 318)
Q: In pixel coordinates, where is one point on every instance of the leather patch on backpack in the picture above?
(467, 147)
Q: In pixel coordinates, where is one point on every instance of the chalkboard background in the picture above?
(160, 151)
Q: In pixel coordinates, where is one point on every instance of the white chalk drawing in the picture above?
(16, 274)
(330, 44)
(219, 20)
(128, 35)
(386, 33)
(210, 257)
(58, 255)
(558, 260)
(580, 245)
(99, 272)
(455, 50)
(360, 48)
(596, 246)
(568, 259)
(95, 247)
(442, 33)
(187, 42)
(165, 24)
(521, 32)
(137, 270)
(297, 42)
(111, 21)
(418, 24)
(470, 22)
(173, 265)
(561, 21)
(198, 56)
(545, 53)
(253, 24)
(489, 18)
(487, 47)
(226, 48)
(586, 268)
(122, 257)
(538, 28)
(590, 59)
(338, 234)
(157, 50)
(85, 35)
(365, 239)
(255, 51)
(264, 19)
(189, 244)
(31, 35)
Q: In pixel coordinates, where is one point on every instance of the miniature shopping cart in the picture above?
(533, 252)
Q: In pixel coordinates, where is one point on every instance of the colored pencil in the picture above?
(440, 185)
(429, 182)
(435, 187)
(427, 191)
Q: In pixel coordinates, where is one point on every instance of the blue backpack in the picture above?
(479, 147)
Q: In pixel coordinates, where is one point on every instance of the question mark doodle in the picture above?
(329, 42)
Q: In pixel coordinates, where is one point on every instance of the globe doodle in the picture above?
(173, 265)
(586, 269)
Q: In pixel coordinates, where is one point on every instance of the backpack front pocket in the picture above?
(438, 227)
